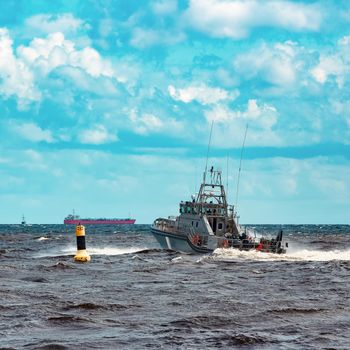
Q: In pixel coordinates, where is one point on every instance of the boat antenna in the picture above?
(240, 164)
(206, 162)
(227, 175)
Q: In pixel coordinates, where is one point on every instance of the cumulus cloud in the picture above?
(236, 18)
(16, 77)
(230, 124)
(55, 51)
(264, 115)
(48, 23)
(201, 93)
(278, 65)
(32, 132)
(336, 65)
(22, 72)
(97, 135)
(148, 123)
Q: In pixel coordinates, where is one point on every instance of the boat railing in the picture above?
(166, 225)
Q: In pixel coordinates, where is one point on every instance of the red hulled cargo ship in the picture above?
(73, 219)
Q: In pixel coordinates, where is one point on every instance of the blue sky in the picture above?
(106, 107)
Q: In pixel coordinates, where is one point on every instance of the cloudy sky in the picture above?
(106, 107)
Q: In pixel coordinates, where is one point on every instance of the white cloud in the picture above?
(143, 38)
(47, 23)
(201, 93)
(164, 7)
(148, 123)
(33, 156)
(318, 178)
(335, 65)
(16, 78)
(22, 73)
(32, 132)
(230, 125)
(278, 65)
(145, 123)
(264, 115)
(119, 184)
(235, 19)
(97, 135)
(55, 50)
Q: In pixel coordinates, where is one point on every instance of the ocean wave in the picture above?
(202, 322)
(71, 250)
(66, 320)
(295, 255)
(42, 238)
(292, 310)
(114, 250)
(93, 306)
(237, 340)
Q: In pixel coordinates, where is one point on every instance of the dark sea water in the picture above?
(133, 295)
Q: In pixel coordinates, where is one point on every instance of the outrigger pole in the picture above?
(240, 165)
(206, 162)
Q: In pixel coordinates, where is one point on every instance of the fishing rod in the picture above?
(240, 165)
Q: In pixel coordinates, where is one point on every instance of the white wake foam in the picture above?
(43, 239)
(71, 250)
(114, 251)
(296, 255)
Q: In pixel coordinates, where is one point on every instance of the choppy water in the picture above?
(132, 295)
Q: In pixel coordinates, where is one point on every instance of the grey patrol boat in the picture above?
(207, 222)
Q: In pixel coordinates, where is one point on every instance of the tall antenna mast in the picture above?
(240, 164)
(206, 162)
(227, 176)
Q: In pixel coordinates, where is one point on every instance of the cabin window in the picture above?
(192, 223)
(197, 224)
(220, 226)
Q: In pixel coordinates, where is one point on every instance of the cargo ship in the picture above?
(73, 219)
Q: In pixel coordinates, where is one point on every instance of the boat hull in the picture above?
(177, 242)
(183, 243)
(99, 222)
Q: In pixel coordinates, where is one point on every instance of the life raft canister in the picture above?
(196, 240)
(225, 243)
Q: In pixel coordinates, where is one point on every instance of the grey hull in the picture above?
(172, 241)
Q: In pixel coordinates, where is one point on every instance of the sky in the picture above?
(106, 107)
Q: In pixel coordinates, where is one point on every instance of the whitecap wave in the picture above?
(114, 250)
(71, 250)
(296, 255)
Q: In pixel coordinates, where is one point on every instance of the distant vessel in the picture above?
(23, 222)
(207, 222)
(73, 219)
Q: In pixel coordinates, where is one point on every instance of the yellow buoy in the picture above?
(82, 255)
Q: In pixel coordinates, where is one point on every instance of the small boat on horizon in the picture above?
(73, 219)
(208, 222)
(23, 222)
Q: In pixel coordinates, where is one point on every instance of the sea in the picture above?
(134, 295)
